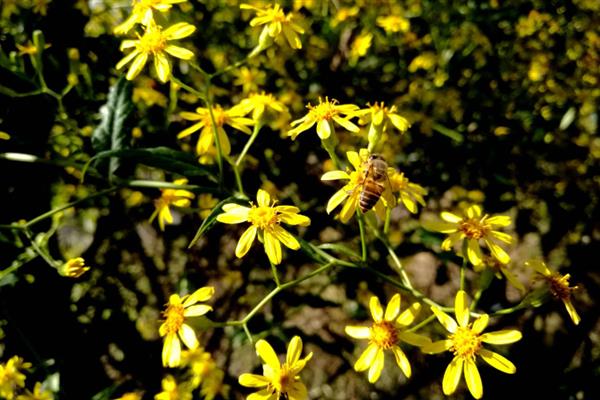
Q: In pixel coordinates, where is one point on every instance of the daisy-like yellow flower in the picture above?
(11, 377)
(155, 42)
(37, 394)
(170, 197)
(171, 390)
(351, 191)
(275, 22)
(474, 226)
(500, 269)
(386, 333)
(278, 380)
(74, 268)
(233, 117)
(466, 343)
(359, 47)
(265, 219)
(410, 193)
(324, 115)
(261, 103)
(174, 327)
(250, 79)
(141, 13)
(393, 23)
(379, 117)
(558, 285)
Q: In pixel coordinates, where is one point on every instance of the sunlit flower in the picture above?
(324, 115)
(265, 220)
(74, 268)
(250, 79)
(410, 193)
(155, 42)
(466, 343)
(38, 394)
(473, 227)
(500, 269)
(9, 7)
(352, 190)
(426, 61)
(206, 202)
(379, 117)
(174, 327)
(261, 103)
(386, 333)
(275, 22)
(359, 47)
(214, 385)
(170, 197)
(11, 377)
(343, 14)
(145, 92)
(30, 48)
(559, 286)
(278, 380)
(205, 372)
(141, 13)
(393, 23)
(171, 390)
(233, 117)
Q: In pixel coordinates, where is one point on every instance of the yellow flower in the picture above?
(170, 197)
(275, 22)
(41, 6)
(142, 13)
(259, 104)
(172, 391)
(278, 381)
(11, 377)
(74, 268)
(145, 92)
(131, 396)
(265, 219)
(155, 43)
(324, 115)
(352, 190)
(4, 135)
(233, 117)
(379, 117)
(30, 48)
(410, 193)
(386, 333)
(206, 202)
(250, 79)
(393, 23)
(472, 227)
(214, 385)
(343, 14)
(466, 342)
(559, 286)
(359, 47)
(9, 7)
(38, 394)
(500, 269)
(174, 326)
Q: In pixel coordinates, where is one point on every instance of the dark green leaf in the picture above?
(113, 132)
(211, 219)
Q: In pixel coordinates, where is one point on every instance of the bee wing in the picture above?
(388, 194)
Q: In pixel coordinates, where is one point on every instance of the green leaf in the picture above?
(113, 132)
(451, 133)
(211, 219)
(165, 158)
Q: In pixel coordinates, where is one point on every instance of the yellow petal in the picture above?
(500, 220)
(197, 310)
(497, 361)
(285, 237)
(346, 124)
(474, 211)
(292, 38)
(162, 66)
(265, 394)
(358, 332)
(336, 200)
(480, 323)
(324, 129)
(414, 339)
(448, 322)
(234, 215)
(450, 217)
(376, 366)
(224, 141)
(272, 248)
(439, 226)
(294, 350)
(408, 316)
(267, 354)
(502, 337)
(349, 208)
(538, 266)
(251, 380)
(402, 361)
(376, 310)
(461, 308)
(202, 294)
(293, 218)
(179, 31)
(171, 354)
(136, 66)
(188, 336)
(498, 252)
(572, 312)
(437, 347)
(473, 379)
(125, 60)
(179, 52)
(334, 175)
(263, 198)
(245, 241)
(393, 308)
(190, 130)
(399, 122)
(297, 391)
(366, 358)
(504, 237)
(354, 160)
(452, 376)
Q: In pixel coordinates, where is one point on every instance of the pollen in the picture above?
(262, 217)
(174, 318)
(474, 229)
(325, 111)
(465, 342)
(153, 41)
(384, 334)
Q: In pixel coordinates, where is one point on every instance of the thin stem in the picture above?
(238, 177)
(215, 130)
(386, 224)
(49, 260)
(251, 140)
(363, 240)
(187, 87)
(423, 323)
(230, 67)
(248, 334)
(275, 274)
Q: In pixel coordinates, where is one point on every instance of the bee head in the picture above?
(374, 157)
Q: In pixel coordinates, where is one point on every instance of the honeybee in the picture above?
(376, 183)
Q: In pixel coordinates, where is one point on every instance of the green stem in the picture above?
(329, 146)
(423, 323)
(363, 239)
(215, 130)
(251, 140)
(386, 224)
(49, 260)
(275, 274)
(238, 177)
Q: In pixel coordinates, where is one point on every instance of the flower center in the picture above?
(174, 318)
(465, 342)
(153, 41)
(262, 217)
(325, 111)
(559, 286)
(474, 229)
(384, 334)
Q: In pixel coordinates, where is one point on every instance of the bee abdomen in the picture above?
(368, 197)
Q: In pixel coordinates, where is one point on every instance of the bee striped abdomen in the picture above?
(370, 195)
